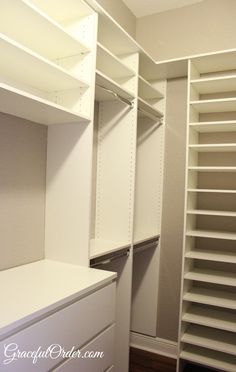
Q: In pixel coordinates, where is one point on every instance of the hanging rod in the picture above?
(110, 259)
(150, 243)
(116, 95)
(151, 116)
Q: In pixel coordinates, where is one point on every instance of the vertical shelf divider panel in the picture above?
(206, 332)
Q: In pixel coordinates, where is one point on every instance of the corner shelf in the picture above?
(214, 126)
(214, 105)
(209, 358)
(214, 84)
(211, 234)
(219, 147)
(210, 317)
(212, 255)
(211, 276)
(59, 44)
(211, 213)
(211, 297)
(209, 338)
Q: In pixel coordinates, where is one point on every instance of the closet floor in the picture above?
(143, 361)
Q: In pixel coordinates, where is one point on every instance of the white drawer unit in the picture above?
(102, 343)
(69, 326)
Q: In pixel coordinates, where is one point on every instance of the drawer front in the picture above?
(70, 327)
(105, 343)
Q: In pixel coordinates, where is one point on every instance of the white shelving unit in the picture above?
(207, 317)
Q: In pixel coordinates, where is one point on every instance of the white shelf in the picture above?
(212, 276)
(215, 62)
(104, 81)
(59, 42)
(33, 70)
(212, 169)
(18, 103)
(214, 126)
(147, 90)
(212, 234)
(211, 213)
(42, 286)
(210, 317)
(214, 339)
(213, 191)
(214, 105)
(101, 247)
(212, 255)
(220, 147)
(211, 297)
(209, 358)
(107, 61)
(149, 109)
(215, 84)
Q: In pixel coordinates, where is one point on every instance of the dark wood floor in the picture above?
(143, 361)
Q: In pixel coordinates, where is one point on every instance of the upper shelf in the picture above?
(27, 106)
(22, 65)
(214, 126)
(220, 147)
(107, 61)
(106, 89)
(215, 85)
(42, 28)
(147, 90)
(101, 247)
(214, 105)
(215, 62)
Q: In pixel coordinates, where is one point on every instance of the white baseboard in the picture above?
(154, 345)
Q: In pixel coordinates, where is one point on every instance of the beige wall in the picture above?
(173, 210)
(119, 11)
(22, 190)
(200, 28)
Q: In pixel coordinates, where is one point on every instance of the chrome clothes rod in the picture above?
(110, 259)
(153, 117)
(116, 95)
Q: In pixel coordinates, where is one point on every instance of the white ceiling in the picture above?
(141, 8)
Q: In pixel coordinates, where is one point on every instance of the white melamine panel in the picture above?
(209, 358)
(68, 196)
(212, 276)
(224, 147)
(214, 339)
(59, 328)
(59, 43)
(115, 172)
(214, 105)
(148, 108)
(111, 65)
(41, 288)
(214, 126)
(103, 343)
(212, 169)
(210, 317)
(215, 85)
(212, 255)
(28, 106)
(211, 297)
(32, 69)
